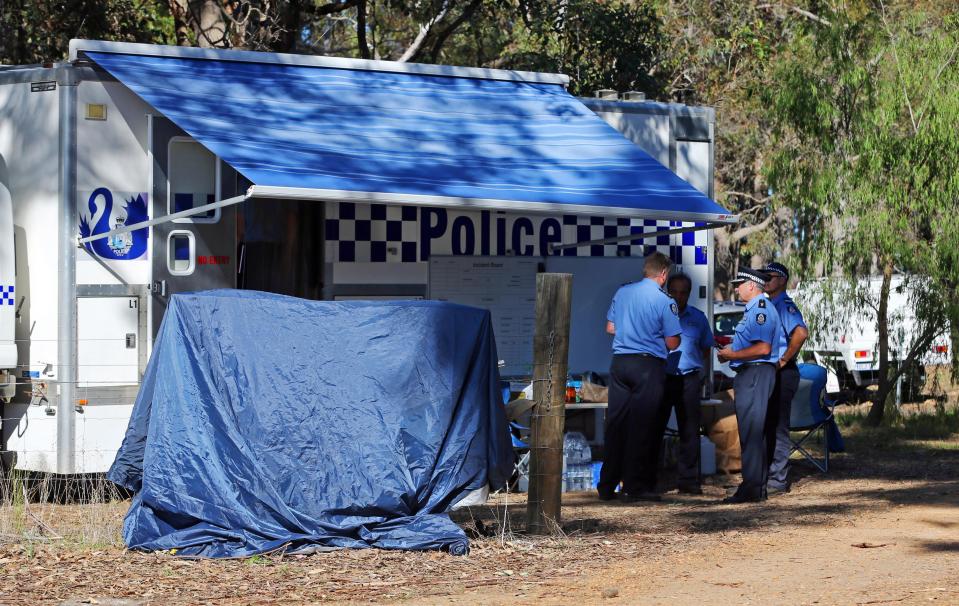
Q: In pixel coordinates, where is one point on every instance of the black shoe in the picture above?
(605, 495)
(774, 490)
(633, 497)
(691, 489)
(736, 499)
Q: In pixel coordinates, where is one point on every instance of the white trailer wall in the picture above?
(29, 153)
(112, 169)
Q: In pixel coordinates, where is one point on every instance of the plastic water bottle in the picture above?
(577, 462)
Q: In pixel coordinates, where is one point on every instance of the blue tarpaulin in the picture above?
(375, 131)
(265, 421)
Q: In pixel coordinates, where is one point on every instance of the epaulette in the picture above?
(762, 303)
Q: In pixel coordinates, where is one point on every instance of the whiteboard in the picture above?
(595, 281)
(506, 286)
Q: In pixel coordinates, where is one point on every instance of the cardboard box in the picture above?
(723, 431)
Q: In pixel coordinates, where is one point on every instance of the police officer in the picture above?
(754, 355)
(645, 325)
(791, 339)
(684, 381)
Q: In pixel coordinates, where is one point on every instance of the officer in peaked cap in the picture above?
(791, 339)
(754, 355)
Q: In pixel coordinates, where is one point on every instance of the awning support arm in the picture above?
(630, 237)
(166, 218)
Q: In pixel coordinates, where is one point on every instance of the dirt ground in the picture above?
(882, 527)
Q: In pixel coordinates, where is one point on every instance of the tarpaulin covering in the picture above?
(265, 421)
(518, 144)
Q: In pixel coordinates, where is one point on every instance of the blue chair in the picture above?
(812, 413)
(519, 434)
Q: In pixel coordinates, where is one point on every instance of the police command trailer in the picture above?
(186, 169)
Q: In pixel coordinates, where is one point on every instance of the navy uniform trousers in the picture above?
(682, 392)
(633, 434)
(753, 385)
(777, 424)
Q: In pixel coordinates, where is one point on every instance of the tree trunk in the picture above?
(886, 382)
(179, 10)
(208, 23)
(292, 24)
(361, 30)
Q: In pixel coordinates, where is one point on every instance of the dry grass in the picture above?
(72, 512)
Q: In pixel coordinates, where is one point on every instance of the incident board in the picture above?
(506, 286)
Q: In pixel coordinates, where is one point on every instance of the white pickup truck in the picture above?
(843, 337)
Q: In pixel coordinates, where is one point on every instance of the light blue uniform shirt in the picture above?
(643, 314)
(760, 323)
(790, 317)
(697, 336)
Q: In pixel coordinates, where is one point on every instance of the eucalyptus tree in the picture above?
(865, 102)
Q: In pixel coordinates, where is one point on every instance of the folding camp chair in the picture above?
(519, 434)
(812, 412)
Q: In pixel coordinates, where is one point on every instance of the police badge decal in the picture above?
(674, 308)
(761, 319)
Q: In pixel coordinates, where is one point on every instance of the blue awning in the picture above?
(332, 133)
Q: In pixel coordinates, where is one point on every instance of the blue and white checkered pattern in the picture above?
(379, 233)
(374, 233)
(6, 295)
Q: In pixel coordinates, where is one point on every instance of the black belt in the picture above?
(745, 364)
(640, 355)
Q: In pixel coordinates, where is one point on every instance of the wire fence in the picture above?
(82, 510)
(83, 507)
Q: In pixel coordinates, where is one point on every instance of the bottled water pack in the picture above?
(577, 463)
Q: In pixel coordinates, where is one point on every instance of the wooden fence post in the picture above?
(550, 349)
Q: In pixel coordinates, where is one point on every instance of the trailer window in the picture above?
(193, 179)
(181, 253)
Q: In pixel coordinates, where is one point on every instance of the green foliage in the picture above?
(37, 31)
(867, 155)
(599, 45)
(867, 151)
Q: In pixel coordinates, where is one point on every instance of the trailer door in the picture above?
(197, 253)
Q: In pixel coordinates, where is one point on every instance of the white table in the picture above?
(599, 421)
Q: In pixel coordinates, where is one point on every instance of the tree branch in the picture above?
(798, 11)
(417, 44)
(443, 36)
(748, 230)
(895, 55)
(334, 7)
(750, 196)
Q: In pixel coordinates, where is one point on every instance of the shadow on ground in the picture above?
(880, 468)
